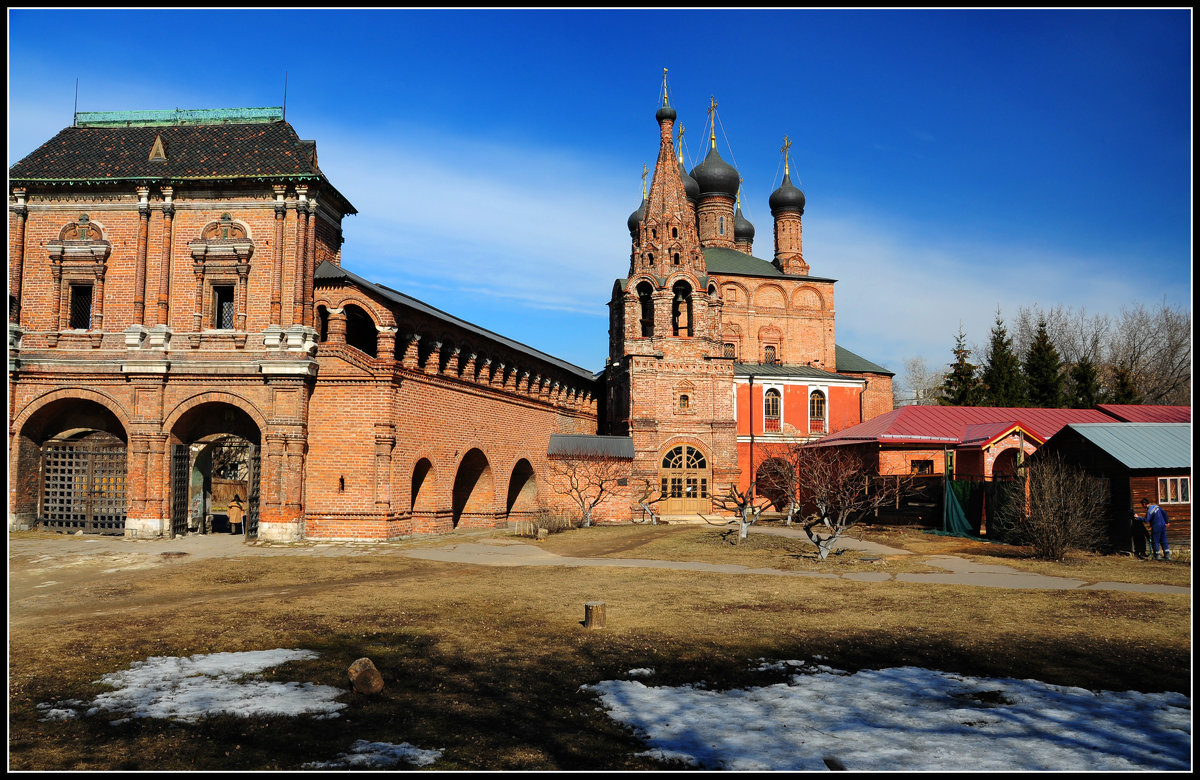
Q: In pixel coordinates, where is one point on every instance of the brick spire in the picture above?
(667, 240)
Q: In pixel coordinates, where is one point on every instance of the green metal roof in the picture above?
(1142, 445)
(783, 370)
(730, 262)
(178, 116)
(566, 445)
(848, 361)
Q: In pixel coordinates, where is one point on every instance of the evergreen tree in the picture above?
(1043, 371)
(1085, 385)
(961, 386)
(1124, 390)
(1003, 383)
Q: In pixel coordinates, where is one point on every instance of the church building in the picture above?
(717, 356)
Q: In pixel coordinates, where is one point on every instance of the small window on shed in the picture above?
(921, 467)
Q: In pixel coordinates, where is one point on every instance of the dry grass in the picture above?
(486, 663)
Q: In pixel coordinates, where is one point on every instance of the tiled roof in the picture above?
(1142, 445)
(328, 272)
(730, 262)
(847, 361)
(947, 425)
(1145, 413)
(261, 150)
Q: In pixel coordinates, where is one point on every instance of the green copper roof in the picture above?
(178, 116)
(848, 361)
(730, 262)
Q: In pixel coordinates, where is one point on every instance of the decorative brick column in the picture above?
(16, 253)
(164, 274)
(139, 272)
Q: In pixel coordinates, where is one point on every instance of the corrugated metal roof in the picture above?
(1142, 445)
(565, 445)
(848, 361)
(983, 434)
(329, 272)
(730, 262)
(784, 369)
(948, 424)
(1147, 413)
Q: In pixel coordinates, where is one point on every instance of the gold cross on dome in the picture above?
(787, 144)
(712, 110)
(645, 171)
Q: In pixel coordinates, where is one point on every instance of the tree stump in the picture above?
(365, 677)
(593, 614)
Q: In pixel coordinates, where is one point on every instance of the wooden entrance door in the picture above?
(684, 481)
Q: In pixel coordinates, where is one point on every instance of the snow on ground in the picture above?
(905, 719)
(378, 755)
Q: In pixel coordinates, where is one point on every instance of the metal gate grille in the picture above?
(83, 487)
(181, 477)
(254, 465)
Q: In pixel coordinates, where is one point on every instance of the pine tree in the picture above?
(1085, 385)
(1124, 390)
(961, 386)
(1003, 383)
(1043, 371)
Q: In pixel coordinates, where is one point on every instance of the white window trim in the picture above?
(1181, 481)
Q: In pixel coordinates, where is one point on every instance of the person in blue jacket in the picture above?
(1156, 518)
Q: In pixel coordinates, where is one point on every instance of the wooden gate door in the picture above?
(684, 481)
(83, 486)
(181, 478)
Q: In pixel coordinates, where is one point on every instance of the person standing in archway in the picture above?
(236, 514)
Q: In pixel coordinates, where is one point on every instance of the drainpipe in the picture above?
(751, 398)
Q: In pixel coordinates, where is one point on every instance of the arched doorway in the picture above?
(522, 491)
(684, 480)
(1005, 465)
(72, 460)
(472, 497)
(215, 458)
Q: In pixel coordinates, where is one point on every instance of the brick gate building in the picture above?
(181, 333)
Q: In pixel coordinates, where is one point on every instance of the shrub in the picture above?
(1064, 509)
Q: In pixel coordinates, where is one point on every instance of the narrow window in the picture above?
(81, 307)
(222, 318)
(730, 350)
(771, 407)
(816, 412)
(685, 403)
(769, 354)
(674, 233)
(675, 259)
(721, 226)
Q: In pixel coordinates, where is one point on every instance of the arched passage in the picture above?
(1005, 465)
(522, 490)
(472, 498)
(71, 467)
(215, 466)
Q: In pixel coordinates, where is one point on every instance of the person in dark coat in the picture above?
(1138, 535)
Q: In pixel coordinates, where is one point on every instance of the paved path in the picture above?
(481, 549)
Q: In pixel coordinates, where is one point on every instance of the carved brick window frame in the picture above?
(684, 401)
(79, 257)
(221, 257)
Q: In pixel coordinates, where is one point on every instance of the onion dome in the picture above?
(690, 186)
(716, 177)
(787, 198)
(742, 229)
(635, 219)
(665, 113)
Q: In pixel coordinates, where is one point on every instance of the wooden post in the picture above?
(593, 614)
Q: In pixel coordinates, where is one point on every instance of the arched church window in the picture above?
(772, 405)
(769, 354)
(674, 232)
(681, 309)
(816, 412)
(646, 302)
(730, 350)
(685, 403)
(361, 332)
(675, 259)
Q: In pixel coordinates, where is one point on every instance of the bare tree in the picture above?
(1157, 346)
(647, 498)
(745, 504)
(587, 479)
(920, 385)
(777, 480)
(1057, 508)
(842, 489)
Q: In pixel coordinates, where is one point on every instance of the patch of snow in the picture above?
(906, 719)
(378, 755)
(640, 672)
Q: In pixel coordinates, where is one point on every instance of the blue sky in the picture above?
(953, 161)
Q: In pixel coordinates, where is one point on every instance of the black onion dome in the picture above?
(787, 198)
(635, 219)
(716, 177)
(690, 186)
(742, 229)
(665, 113)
